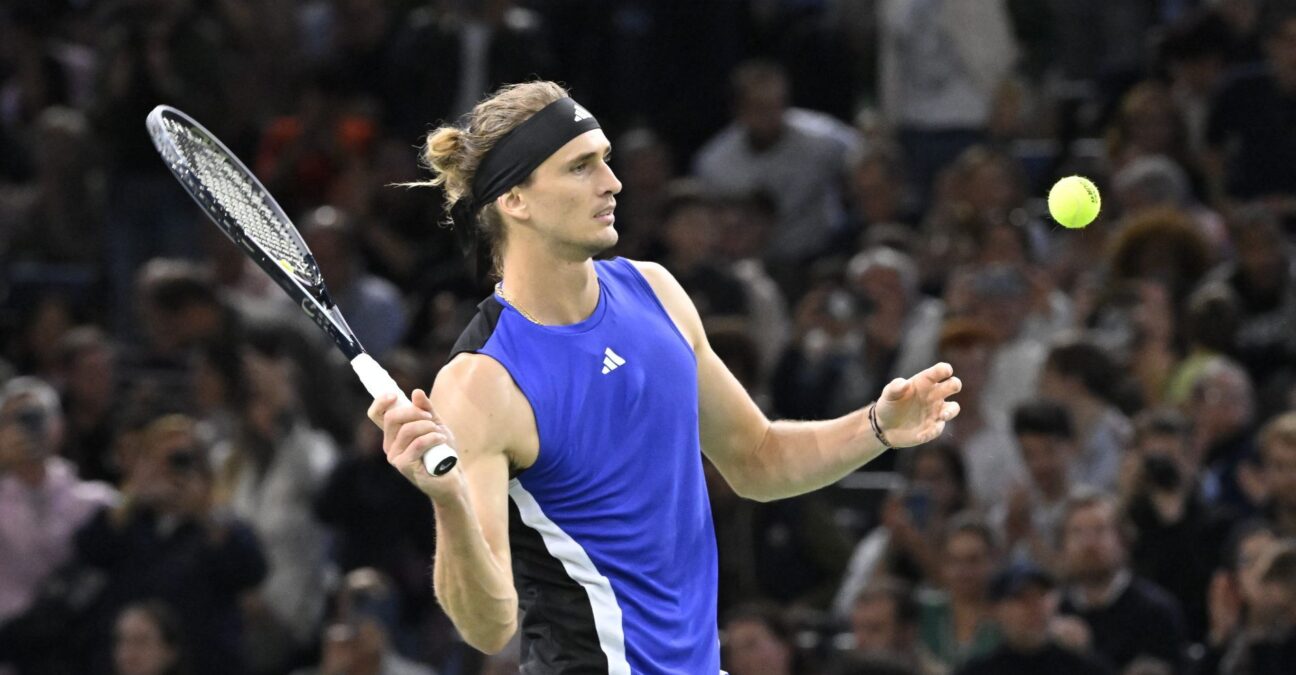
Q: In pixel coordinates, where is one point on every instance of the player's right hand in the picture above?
(409, 431)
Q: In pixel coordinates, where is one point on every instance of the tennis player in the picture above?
(581, 399)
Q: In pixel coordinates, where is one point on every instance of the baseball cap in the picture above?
(1017, 577)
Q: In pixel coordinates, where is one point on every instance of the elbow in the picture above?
(493, 640)
(486, 625)
(748, 489)
(748, 484)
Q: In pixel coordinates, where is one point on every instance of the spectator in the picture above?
(798, 157)
(1256, 161)
(270, 474)
(1238, 609)
(43, 500)
(691, 236)
(57, 216)
(901, 326)
(820, 373)
(148, 640)
(88, 369)
(884, 623)
(1082, 377)
(1223, 409)
(1272, 650)
(1025, 607)
(907, 544)
(356, 501)
(1148, 124)
(1209, 331)
(1003, 301)
(747, 222)
(1263, 277)
(1161, 245)
(1196, 53)
(371, 304)
(1127, 616)
(1278, 459)
(878, 193)
(955, 624)
(1179, 534)
(992, 460)
(1028, 518)
(166, 540)
(940, 63)
(758, 641)
(360, 640)
(646, 167)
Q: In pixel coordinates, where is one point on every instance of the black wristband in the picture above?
(877, 430)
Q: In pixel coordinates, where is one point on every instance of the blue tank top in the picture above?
(614, 553)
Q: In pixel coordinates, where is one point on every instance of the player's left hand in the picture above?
(914, 411)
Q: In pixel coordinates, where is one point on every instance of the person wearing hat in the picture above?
(1025, 606)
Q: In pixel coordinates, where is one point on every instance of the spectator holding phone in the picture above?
(165, 540)
(41, 497)
(1180, 534)
(906, 544)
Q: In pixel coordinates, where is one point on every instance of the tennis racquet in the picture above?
(242, 208)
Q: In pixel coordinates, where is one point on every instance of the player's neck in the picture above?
(551, 291)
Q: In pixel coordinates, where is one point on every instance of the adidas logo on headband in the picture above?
(581, 113)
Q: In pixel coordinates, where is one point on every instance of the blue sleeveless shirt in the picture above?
(614, 553)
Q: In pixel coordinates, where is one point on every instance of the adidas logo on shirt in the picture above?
(581, 113)
(611, 361)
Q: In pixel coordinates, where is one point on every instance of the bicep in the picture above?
(471, 401)
(730, 424)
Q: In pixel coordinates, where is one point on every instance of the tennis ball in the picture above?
(1074, 202)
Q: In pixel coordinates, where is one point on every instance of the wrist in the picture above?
(876, 428)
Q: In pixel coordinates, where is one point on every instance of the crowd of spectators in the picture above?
(850, 190)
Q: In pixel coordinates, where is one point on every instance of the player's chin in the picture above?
(604, 238)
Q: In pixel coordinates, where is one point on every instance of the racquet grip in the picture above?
(440, 458)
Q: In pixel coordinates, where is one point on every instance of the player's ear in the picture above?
(513, 204)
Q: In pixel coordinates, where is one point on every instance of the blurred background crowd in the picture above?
(849, 189)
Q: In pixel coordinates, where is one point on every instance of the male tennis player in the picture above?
(581, 399)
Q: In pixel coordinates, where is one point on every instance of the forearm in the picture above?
(475, 590)
(798, 457)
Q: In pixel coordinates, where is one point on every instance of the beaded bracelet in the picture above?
(877, 430)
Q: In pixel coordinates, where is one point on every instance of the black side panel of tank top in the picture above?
(479, 330)
(558, 631)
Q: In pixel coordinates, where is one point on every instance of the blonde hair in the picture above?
(454, 153)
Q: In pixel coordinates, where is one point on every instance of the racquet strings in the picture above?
(242, 199)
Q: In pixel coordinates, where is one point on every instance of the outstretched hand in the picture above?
(914, 411)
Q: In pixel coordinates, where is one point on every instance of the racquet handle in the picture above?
(438, 460)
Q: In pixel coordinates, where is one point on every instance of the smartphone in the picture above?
(917, 503)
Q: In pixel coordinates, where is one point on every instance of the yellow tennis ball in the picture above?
(1074, 201)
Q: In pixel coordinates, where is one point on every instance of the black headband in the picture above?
(512, 160)
(527, 146)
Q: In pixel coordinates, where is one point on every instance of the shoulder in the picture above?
(674, 298)
(477, 397)
(471, 374)
(720, 148)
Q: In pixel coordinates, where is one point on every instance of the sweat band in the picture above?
(512, 160)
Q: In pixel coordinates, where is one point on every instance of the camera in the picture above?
(33, 421)
(184, 461)
(1161, 472)
(917, 502)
